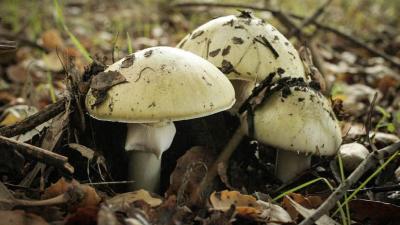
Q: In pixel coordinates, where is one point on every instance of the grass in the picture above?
(129, 43)
(324, 180)
(364, 183)
(346, 206)
(60, 21)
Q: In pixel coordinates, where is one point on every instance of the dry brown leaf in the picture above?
(51, 40)
(83, 216)
(102, 82)
(245, 205)
(374, 212)
(249, 207)
(61, 186)
(189, 172)
(323, 220)
(19, 217)
(310, 202)
(17, 73)
(130, 197)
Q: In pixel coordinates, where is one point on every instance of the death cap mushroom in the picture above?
(163, 84)
(244, 47)
(299, 122)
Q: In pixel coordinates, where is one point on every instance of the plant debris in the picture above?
(102, 82)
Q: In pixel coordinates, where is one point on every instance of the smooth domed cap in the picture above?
(163, 84)
(302, 121)
(244, 47)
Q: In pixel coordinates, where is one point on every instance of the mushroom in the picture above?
(299, 122)
(163, 85)
(352, 155)
(246, 49)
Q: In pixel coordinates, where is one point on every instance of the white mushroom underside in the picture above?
(152, 138)
(145, 144)
(290, 164)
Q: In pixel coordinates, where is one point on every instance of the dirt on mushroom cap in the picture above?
(303, 122)
(164, 84)
(253, 47)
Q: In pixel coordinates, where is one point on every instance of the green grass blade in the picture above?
(128, 39)
(51, 88)
(363, 184)
(75, 41)
(346, 206)
(308, 184)
(301, 187)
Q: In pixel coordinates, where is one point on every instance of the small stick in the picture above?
(22, 41)
(394, 187)
(392, 60)
(309, 20)
(371, 160)
(73, 195)
(33, 121)
(223, 157)
(39, 154)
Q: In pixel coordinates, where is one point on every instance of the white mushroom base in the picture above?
(290, 164)
(146, 143)
(144, 170)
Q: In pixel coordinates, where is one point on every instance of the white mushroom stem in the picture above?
(289, 164)
(146, 143)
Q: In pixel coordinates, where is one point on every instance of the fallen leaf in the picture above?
(5, 197)
(249, 207)
(51, 40)
(83, 216)
(19, 217)
(245, 205)
(130, 197)
(373, 212)
(102, 82)
(189, 172)
(310, 202)
(90, 199)
(323, 220)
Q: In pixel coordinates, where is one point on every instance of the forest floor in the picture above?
(58, 165)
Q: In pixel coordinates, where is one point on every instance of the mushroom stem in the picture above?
(144, 169)
(290, 164)
(146, 143)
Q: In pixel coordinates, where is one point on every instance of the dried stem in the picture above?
(33, 121)
(369, 162)
(39, 154)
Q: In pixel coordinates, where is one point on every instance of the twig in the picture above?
(23, 41)
(309, 20)
(394, 187)
(369, 162)
(7, 46)
(357, 42)
(34, 120)
(72, 196)
(368, 122)
(39, 154)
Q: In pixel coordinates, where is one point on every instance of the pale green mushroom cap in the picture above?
(164, 84)
(301, 122)
(253, 47)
